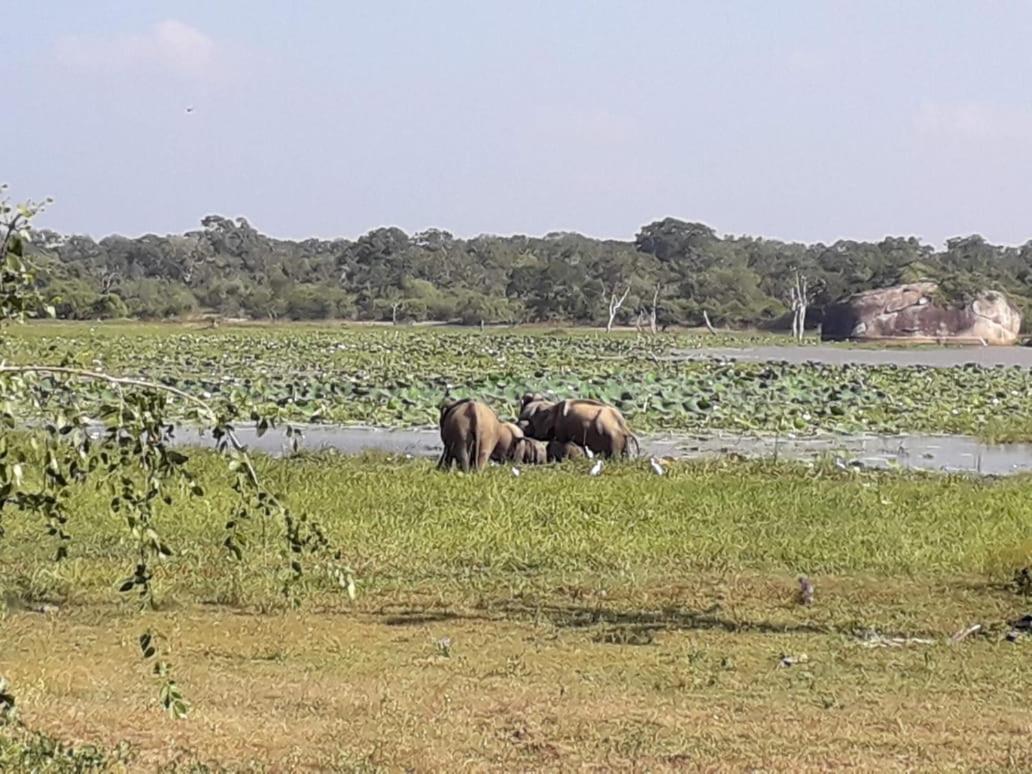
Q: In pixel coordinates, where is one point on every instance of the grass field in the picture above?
(551, 621)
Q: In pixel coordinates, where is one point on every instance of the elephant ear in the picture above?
(558, 411)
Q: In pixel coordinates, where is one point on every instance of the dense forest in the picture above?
(677, 270)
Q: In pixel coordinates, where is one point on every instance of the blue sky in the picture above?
(797, 120)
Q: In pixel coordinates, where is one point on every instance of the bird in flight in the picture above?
(189, 109)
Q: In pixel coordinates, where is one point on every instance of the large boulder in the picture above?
(914, 313)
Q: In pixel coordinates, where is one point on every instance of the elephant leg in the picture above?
(619, 445)
(631, 439)
(464, 458)
(483, 455)
(501, 455)
(447, 460)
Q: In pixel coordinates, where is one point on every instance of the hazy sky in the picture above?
(796, 120)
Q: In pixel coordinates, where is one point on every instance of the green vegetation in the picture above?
(22, 750)
(553, 620)
(674, 269)
(1007, 429)
(396, 377)
(405, 524)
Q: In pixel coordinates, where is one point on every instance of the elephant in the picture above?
(535, 416)
(557, 452)
(509, 437)
(589, 423)
(530, 452)
(470, 431)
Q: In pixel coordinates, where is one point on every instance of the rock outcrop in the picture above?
(912, 313)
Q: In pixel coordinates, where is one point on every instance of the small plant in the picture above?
(805, 591)
(443, 647)
(6, 702)
(1023, 581)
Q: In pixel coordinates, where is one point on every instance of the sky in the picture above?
(796, 120)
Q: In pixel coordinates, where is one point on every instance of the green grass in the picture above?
(23, 750)
(1007, 430)
(403, 524)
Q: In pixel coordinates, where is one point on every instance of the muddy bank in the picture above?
(935, 358)
(923, 452)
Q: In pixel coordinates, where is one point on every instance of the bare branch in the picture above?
(615, 304)
(102, 377)
(799, 298)
(652, 313)
(123, 381)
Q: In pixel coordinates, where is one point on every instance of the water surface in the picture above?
(935, 357)
(924, 452)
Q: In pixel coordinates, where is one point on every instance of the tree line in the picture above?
(674, 272)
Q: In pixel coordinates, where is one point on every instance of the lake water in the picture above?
(941, 357)
(924, 452)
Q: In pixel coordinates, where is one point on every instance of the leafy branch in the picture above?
(130, 454)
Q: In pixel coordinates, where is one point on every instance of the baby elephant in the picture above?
(557, 452)
(530, 452)
(510, 438)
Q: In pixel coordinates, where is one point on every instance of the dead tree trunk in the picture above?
(614, 306)
(799, 296)
(394, 312)
(652, 312)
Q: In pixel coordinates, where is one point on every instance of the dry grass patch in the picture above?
(542, 687)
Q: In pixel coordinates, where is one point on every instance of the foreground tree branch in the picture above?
(124, 381)
(130, 458)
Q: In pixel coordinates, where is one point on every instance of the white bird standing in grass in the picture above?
(589, 453)
(656, 467)
(596, 469)
(516, 472)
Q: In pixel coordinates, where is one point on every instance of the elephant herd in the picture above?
(545, 431)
